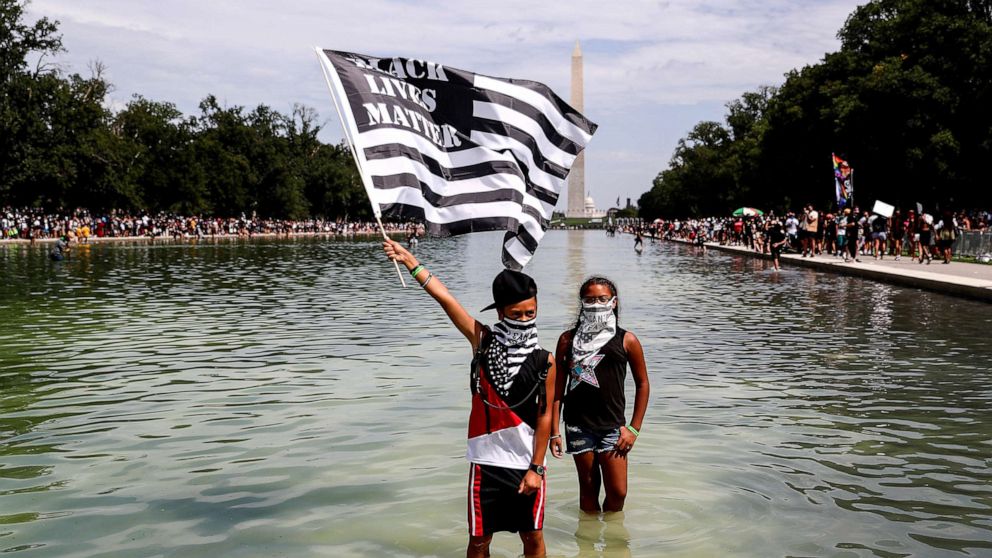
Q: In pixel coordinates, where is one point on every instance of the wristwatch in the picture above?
(539, 469)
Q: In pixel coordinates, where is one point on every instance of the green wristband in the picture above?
(633, 430)
(416, 270)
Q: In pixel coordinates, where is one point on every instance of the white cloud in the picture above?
(650, 67)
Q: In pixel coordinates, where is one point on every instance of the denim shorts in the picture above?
(581, 440)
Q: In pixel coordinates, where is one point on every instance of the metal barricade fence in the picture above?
(973, 243)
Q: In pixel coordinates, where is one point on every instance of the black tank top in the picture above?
(600, 408)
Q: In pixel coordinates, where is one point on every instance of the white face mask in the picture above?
(598, 311)
(520, 323)
(517, 331)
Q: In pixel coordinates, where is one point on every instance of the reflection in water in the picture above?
(575, 261)
(248, 398)
(602, 535)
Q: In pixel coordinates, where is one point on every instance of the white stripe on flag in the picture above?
(440, 185)
(454, 213)
(473, 156)
(444, 187)
(524, 123)
(452, 159)
(537, 175)
(538, 101)
(461, 212)
(518, 251)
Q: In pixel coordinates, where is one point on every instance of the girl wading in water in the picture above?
(512, 383)
(596, 354)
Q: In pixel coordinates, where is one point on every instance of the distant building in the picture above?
(589, 210)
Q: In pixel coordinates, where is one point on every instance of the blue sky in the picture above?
(652, 69)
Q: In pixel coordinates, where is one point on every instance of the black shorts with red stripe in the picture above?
(494, 503)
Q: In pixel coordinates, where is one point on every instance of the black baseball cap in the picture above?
(511, 287)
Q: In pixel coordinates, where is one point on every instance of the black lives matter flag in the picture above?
(460, 151)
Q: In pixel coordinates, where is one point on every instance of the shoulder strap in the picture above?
(475, 374)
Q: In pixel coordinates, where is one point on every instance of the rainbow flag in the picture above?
(843, 180)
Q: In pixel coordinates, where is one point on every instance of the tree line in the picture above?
(61, 147)
(907, 101)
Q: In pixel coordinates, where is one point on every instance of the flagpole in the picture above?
(366, 180)
(837, 187)
(851, 187)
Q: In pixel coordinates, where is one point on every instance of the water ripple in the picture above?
(290, 398)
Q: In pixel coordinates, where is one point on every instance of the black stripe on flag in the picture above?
(564, 108)
(525, 238)
(563, 143)
(454, 228)
(406, 180)
(511, 131)
(391, 150)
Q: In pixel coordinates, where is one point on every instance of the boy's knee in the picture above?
(479, 543)
(532, 536)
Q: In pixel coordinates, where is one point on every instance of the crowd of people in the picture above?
(81, 225)
(850, 233)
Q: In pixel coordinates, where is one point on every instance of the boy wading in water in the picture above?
(596, 354)
(512, 382)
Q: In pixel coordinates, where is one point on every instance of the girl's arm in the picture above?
(532, 481)
(466, 324)
(642, 389)
(561, 357)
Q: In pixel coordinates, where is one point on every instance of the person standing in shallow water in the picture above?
(61, 249)
(777, 241)
(596, 353)
(512, 382)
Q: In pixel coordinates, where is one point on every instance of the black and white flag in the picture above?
(460, 151)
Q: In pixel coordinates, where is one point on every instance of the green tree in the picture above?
(698, 179)
(22, 92)
(332, 185)
(60, 147)
(160, 167)
(907, 100)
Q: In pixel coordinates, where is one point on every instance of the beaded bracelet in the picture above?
(416, 270)
(633, 431)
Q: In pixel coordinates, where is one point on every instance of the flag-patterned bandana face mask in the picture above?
(597, 325)
(597, 316)
(513, 342)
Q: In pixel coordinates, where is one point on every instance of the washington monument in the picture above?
(577, 176)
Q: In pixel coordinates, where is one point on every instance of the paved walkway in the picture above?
(956, 278)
